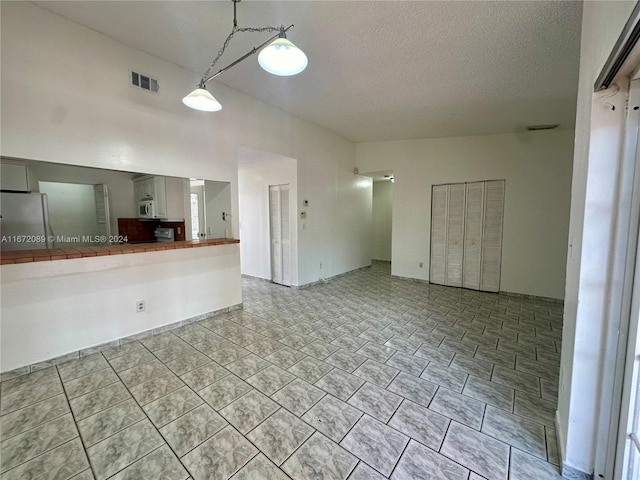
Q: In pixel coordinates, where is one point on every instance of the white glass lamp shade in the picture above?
(200, 99)
(281, 57)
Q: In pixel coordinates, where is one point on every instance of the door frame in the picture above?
(626, 363)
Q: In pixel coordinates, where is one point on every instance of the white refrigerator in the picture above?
(24, 221)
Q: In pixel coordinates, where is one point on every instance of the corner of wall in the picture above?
(558, 423)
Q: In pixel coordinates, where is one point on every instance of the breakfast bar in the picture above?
(43, 255)
(61, 302)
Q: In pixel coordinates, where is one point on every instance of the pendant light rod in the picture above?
(251, 52)
(235, 20)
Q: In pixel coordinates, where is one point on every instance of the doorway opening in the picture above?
(258, 171)
(210, 204)
(78, 213)
(382, 217)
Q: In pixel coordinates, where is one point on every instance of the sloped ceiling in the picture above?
(378, 70)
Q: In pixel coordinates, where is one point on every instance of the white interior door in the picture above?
(280, 228)
(492, 236)
(466, 234)
(437, 265)
(285, 235)
(455, 234)
(474, 220)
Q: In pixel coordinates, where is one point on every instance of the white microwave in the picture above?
(146, 209)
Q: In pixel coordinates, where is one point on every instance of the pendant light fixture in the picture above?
(201, 99)
(280, 57)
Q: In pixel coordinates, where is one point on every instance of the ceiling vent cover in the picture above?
(144, 82)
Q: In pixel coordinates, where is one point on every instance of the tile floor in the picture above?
(367, 377)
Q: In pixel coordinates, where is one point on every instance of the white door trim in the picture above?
(625, 360)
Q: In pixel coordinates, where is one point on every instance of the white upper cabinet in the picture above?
(167, 193)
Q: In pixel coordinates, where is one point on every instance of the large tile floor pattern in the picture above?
(366, 377)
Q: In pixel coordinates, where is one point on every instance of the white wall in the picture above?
(336, 237)
(98, 120)
(131, 130)
(381, 220)
(591, 258)
(101, 122)
(537, 170)
(39, 321)
(253, 190)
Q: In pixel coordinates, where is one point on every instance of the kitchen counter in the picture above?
(27, 256)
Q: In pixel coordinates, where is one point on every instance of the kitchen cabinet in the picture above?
(166, 192)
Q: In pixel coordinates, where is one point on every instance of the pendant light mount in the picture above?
(280, 57)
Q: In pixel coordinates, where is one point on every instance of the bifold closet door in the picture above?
(437, 265)
(280, 232)
(455, 235)
(447, 234)
(492, 236)
(474, 219)
(466, 234)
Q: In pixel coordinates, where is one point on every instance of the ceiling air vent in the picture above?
(145, 82)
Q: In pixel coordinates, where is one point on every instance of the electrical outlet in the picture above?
(421, 265)
(140, 306)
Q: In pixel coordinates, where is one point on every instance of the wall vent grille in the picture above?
(144, 82)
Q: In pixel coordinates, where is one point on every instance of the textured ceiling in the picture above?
(378, 70)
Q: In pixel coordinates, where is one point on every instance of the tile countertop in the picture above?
(27, 256)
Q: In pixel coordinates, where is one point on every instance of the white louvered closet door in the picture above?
(285, 235)
(276, 240)
(466, 234)
(473, 233)
(455, 235)
(492, 237)
(280, 234)
(439, 196)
